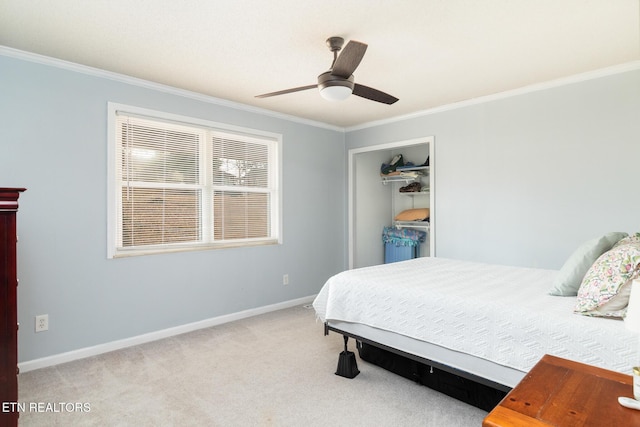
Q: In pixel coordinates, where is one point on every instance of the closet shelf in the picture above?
(406, 175)
(399, 178)
(422, 225)
(414, 193)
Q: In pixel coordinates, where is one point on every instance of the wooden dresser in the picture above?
(8, 306)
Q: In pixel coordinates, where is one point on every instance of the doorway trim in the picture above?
(351, 195)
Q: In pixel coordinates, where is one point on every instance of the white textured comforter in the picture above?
(498, 313)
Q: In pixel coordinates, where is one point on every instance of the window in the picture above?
(181, 184)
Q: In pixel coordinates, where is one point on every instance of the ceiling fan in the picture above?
(338, 83)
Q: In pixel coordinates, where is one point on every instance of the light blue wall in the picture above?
(524, 180)
(521, 180)
(53, 141)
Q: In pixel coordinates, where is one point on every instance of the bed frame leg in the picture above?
(347, 365)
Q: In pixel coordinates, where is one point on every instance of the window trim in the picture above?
(114, 192)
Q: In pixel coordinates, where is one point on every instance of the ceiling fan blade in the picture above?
(349, 59)
(282, 92)
(373, 94)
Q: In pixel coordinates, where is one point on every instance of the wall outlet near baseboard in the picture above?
(42, 323)
(285, 279)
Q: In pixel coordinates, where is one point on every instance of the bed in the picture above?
(485, 322)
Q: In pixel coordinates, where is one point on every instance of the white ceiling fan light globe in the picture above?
(335, 88)
(335, 93)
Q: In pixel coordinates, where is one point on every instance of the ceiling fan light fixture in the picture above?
(335, 88)
(335, 93)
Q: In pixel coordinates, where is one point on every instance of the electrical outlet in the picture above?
(285, 279)
(42, 323)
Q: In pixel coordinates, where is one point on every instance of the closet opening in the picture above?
(375, 199)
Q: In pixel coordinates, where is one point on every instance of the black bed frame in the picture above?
(470, 388)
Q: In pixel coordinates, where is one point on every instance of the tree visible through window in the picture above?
(181, 186)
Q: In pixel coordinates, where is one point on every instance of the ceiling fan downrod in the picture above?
(335, 44)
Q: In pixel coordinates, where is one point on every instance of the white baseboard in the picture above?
(82, 353)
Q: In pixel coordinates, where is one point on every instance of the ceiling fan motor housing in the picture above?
(327, 79)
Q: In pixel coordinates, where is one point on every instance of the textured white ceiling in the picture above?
(428, 53)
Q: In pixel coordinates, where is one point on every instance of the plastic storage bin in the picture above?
(393, 253)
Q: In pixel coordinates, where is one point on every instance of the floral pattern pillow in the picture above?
(606, 287)
(633, 239)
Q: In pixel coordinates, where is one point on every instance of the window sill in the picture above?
(126, 253)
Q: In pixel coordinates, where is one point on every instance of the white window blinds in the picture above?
(185, 186)
(241, 197)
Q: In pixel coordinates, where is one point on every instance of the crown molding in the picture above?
(122, 78)
(576, 78)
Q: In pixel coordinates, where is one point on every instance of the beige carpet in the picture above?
(275, 369)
